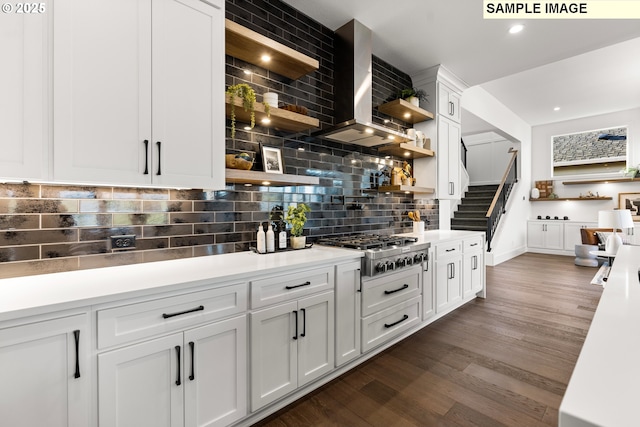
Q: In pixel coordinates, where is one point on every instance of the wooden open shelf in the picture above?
(280, 119)
(406, 151)
(246, 44)
(405, 189)
(562, 199)
(601, 181)
(399, 108)
(238, 176)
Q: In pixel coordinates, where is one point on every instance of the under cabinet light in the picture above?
(265, 58)
(407, 115)
(266, 182)
(265, 121)
(407, 154)
(247, 128)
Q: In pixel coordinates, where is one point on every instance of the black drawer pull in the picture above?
(76, 336)
(298, 286)
(146, 157)
(178, 380)
(193, 350)
(450, 250)
(473, 244)
(166, 316)
(304, 322)
(159, 159)
(295, 315)
(390, 325)
(403, 287)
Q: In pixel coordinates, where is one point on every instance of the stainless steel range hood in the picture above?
(353, 91)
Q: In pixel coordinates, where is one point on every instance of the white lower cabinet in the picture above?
(291, 344)
(545, 235)
(194, 378)
(428, 289)
(46, 375)
(448, 275)
(473, 267)
(348, 307)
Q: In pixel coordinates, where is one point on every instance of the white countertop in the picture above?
(434, 236)
(23, 296)
(605, 384)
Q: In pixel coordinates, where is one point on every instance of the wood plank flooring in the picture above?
(503, 361)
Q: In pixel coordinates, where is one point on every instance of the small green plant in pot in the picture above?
(296, 217)
(413, 95)
(248, 96)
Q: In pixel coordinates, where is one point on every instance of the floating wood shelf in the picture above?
(246, 44)
(280, 118)
(405, 189)
(238, 176)
(406, 151)
(405, 111)
(601, 181)
(562, 199)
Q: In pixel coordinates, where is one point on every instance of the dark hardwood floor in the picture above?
(503, 361)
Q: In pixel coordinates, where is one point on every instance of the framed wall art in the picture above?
(272, 159)
(630, 201)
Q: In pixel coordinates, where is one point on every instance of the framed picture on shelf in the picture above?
(630, 201)
(272, 159)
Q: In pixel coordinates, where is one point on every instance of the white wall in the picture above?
(487, 157)
(541, 167)
(510, 238)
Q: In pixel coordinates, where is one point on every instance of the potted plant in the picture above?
(296, 217)
(248, 96)
(413, 95)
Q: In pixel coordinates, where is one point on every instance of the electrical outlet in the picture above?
(127, 241)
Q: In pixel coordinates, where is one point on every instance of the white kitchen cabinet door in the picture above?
(428, 289)
(448, 282)
(39, 363)
(142, 105)
(448, 102)
(316, 345)
(347, 308)
(472, 276)
(274, 353)
(142, 385)
(215, 363)
(24, 103)
(188, 99)
(102, 87)
(545, 235)
(449, 159)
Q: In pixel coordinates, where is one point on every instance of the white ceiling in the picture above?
(585, 67)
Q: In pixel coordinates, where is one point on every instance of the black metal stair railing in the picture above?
(499, 203)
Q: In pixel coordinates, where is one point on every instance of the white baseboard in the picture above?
(494, 258)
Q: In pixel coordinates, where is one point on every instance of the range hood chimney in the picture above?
(353, 91)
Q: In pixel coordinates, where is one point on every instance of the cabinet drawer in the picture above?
(387, 324)
(448, 248)
(285, 287)
(383, 292)
(473, 243)
(142, 320)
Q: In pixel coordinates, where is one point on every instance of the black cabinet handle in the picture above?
(146, 157)
(304, 322)
(405, 286)
(390, 325)
(166, 316)
(76, 336)
(295, 315)
(178, 381)
(298, 286)
(450, 250)
(159, 144)
(473, 244)
(192, 348)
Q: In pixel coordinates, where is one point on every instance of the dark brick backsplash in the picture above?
(49, 228)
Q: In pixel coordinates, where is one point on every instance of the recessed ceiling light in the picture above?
(516, 28)
(265, 58)
(265, 121)
(247, 128)
(407, 115)
(556, 108)
(407, 154)
(266, 183)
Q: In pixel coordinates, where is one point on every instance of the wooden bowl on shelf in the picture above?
(233, 162)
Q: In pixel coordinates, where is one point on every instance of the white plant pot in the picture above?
(414, 101)
(298, 242)
(271, 98)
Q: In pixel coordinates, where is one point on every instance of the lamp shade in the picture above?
(616, 219)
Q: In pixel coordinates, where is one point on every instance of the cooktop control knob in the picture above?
(400, 262)
(381, 267)
(391, 265)
(418, 258)
(408, 260)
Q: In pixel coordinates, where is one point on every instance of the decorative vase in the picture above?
(271, 98)
(414, 100)
(298, 242)
(535, 193)
(418, 227)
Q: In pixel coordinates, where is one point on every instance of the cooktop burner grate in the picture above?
(367, 241)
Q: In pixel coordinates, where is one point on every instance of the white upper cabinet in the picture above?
(138, 92)
(24, 87)
(448, 102)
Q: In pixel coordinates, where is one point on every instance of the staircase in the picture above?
(472, 211)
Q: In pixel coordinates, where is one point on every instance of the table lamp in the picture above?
(615, 219)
